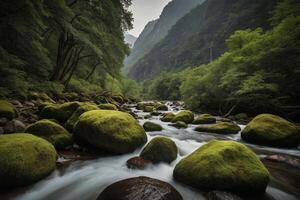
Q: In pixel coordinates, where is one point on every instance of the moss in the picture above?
(52, 132)
(118, 98)
(185, 116)
(40, 96)
(148, 108)
(70, 124)
(24, 159)
(162, 107)
(168, 117)
(60, 112)
(241, 116)
(205, 119)
(160, 149)
(223, 165)
(7, 110)
(113, 131)
(107, 106)
(271, 130)
(180, 124)
(150, 126)
(220, 128)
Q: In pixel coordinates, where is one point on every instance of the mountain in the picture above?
(156, 30)
(129, 39)
(205, 28)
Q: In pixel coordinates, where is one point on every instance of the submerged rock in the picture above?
(185, 115)
(112, 131)
(24, 159)
(219, 128)
(108, 106)
(271, 130)
(137, 163)
(223, 165)
(52, 132)
(140, 188)
(205, 119)
(160, 149)
(150, 126)
(7, 110)
(168, 117)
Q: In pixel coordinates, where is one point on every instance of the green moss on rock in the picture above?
(107, 106)
(148, 108)
(113, 131)
(24, 159)
(220, 128)
(223, 165)
(180, 124)
(185, 115)
(162, 107)
(52, 132)
(160, 149)
(150, 126)
(205, 119)
(7, 110)
(271, 130)
(60, 112)
(70, 124)
(168, 117)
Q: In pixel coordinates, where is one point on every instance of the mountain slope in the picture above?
(156, 30)
(188, 42)
(129, 39)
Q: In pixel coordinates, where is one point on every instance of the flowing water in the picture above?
(85, 180)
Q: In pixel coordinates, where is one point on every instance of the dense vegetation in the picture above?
(260, 72)
(62, 45)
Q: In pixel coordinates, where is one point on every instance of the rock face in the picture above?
(160, 149)
(112, 131)
(223, 165)
(52, 132)
(168, 117)
(108, 106)
(150, 126)
(137, 163)
(140, 188)
(220, 128)
(7, 110)
(205, 119)
(186, 116)
(24, 159)
(271, 130)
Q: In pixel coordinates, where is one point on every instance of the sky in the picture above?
(145, 11)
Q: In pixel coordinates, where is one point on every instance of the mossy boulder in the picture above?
(148, 108)
(52, 132)
(151, 126)
(205, 119)
(60, 112)
(168, 117)
(107, 106)
(271, 130)
(219, 128)
(7, 110)
(180, 124)
(112, 131)
(24, 159)
(185, 116)
(160, 149)
(40, 96)
(223, 165)
(70, 124)
(162, 107)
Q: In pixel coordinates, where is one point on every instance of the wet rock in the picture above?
(29, 103)
(162, 107)
(168, 117)
(180, 124)
(3, 121)
(148, 108)
(222, 119)
(219, 128)
(17, 103)
(14, 126)
(223, 165)
(271, 130)
(205, 119)
(147, 117)
(140, 188)
(150, 126)
(294, 162)
(108, 106)
(185, 115)
(241, 117)
(221, 195)
(137, 163)
(155, 113)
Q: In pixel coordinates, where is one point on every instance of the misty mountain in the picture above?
(189, 41)
(129, 39)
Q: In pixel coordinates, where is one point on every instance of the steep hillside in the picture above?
(129, 39)
(188, 42)
(158, 29)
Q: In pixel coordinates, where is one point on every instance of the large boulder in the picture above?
(7, 110)
(70, 124)
(112, 131)
(205, 119)
(168, 117)
(271, 130)
(24, 159)
(180, 124)
(60, 112)
(52, 132)
(108, 106)
(151, 126)
(140, 188)
(162, 107)
(219, 128)
(185, 116)
(137, 163)
(223, 165)
(160, 149)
